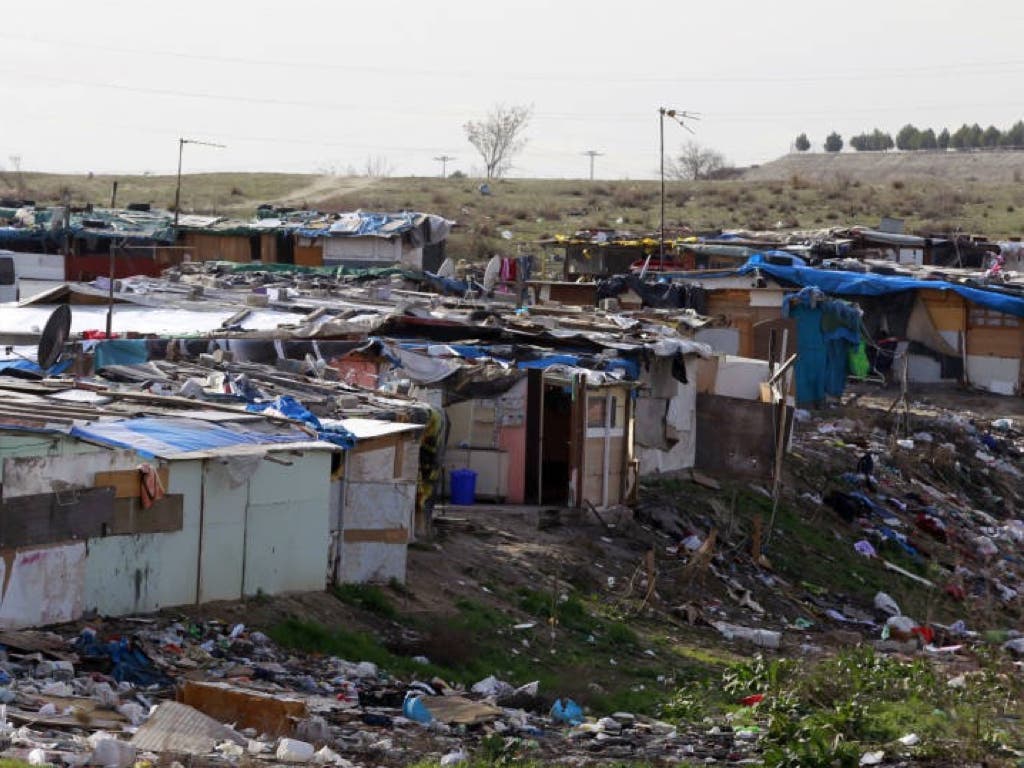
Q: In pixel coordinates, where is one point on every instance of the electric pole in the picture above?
(678, 116)
(592, 153)
(177, 188)
(443, 160)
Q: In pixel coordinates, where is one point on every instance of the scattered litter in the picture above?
(763, 638)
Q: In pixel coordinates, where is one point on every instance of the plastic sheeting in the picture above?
(159, 437)
(120, 352)
(840, 283)
(826, 331)
(142, 320)
(291, 408)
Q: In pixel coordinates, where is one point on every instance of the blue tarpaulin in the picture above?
(28, 365)
(548, 361)
(164, 437)
(826, 329)
(841, 283)
(120, 352)
(291, 408)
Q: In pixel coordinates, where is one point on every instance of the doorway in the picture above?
(549, 415)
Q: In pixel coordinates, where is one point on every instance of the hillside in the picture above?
(518, 212)
(985, 167)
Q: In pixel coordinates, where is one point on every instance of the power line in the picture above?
(937, 70)
(561, 116)
(443, 159)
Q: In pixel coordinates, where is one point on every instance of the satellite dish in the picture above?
(447, 268)
(54, 335)
(492, 273)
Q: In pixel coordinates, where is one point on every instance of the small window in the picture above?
(7, 271)
(990, 318)
(597, 411)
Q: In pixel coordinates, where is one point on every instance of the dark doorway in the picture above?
(557, 428)
(255, 249)
(548, 432)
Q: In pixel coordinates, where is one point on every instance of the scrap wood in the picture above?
(698, 477)
(275, 715)
(702, 556)
(83, 718)
(597, 514)
(179, 728)
(47, 643)
(460, 710)
(904, 572)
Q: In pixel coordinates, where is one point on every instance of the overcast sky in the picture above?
(308, 85)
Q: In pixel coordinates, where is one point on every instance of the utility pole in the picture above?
(110, 291)
(177, 188)
(678, 116)
(443, 160)
(591, 153)
(113, 194)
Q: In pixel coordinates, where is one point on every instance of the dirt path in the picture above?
(326, 186)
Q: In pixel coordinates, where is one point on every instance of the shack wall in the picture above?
(378, 509)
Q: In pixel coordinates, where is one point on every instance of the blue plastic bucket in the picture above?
(463, 486)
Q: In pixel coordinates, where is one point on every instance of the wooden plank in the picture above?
(399, 456)
(165, 516)
(995, 342)
(374, 443)
(377, 535)
(127, 483)
(48, 518)
(276, 715)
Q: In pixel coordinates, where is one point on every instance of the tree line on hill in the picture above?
(910, 138)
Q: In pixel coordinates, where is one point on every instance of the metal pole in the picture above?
(661, 146)
(177, 189)
(110, 294)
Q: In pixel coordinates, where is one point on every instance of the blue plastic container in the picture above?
(463, 486)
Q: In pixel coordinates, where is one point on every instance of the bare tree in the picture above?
(498, 137)
(378, 167)
(695, 161)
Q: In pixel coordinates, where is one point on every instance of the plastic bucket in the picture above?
(463, 486)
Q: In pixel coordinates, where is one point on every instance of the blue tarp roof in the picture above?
(160, 437)
(366, 224)
(841, 283)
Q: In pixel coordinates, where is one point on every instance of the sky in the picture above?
(313, 86)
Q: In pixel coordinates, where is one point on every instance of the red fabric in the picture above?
(750, 701)
(925, 633)
(151, 489)
(94, 334)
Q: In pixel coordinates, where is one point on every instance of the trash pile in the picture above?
(152, 692)
(943, 501)
(936, 515)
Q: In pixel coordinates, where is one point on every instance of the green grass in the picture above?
(312, 637)
(368, 598)
(597, 659)
(829, 712)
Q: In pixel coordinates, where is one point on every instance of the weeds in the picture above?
(829, 713)
(366, 597)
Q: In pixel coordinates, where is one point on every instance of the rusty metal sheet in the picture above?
(276, 715)
(179, 728)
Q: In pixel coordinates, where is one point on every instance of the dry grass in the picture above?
(528, 209)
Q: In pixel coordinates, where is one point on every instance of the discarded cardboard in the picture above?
(247, 709)
(460, 710)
